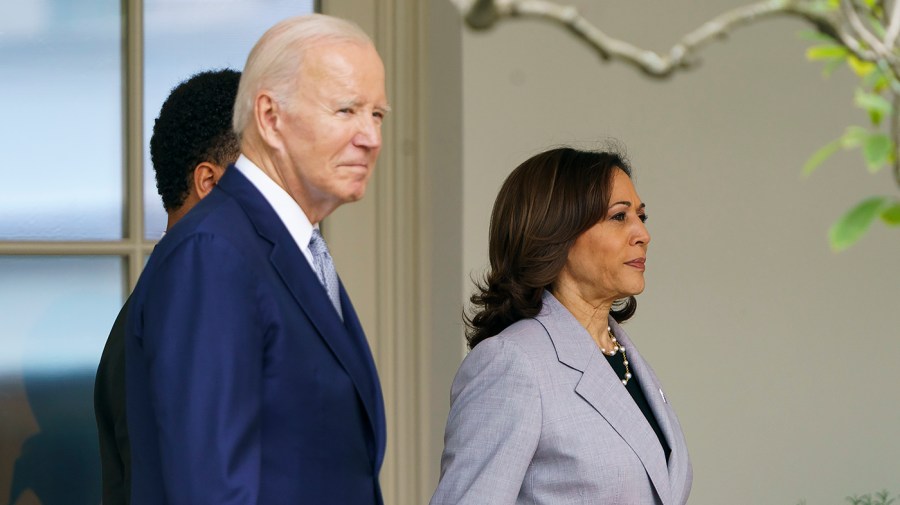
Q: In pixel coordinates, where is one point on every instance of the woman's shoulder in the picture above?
(527, 331)
(526, 337)
(515, 358)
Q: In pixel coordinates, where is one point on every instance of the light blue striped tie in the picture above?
(325, 269)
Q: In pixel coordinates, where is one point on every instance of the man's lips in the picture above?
(637, 263)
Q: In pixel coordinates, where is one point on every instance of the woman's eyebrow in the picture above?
(628, 204)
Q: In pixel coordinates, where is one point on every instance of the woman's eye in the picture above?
(618, 217)
(643, 218)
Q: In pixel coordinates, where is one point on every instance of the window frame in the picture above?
(133, 247)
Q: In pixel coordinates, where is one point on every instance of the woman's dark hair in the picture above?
(542, 207)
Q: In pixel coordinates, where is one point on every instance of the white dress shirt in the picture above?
(288, 210)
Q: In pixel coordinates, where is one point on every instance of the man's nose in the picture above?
(368, 134)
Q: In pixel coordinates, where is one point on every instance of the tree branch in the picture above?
(890, 36)
(847, 29)
(484, 14)
(856, 22)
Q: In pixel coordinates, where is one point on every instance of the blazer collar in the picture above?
(603, 390)
(665, 416)
(346, 339)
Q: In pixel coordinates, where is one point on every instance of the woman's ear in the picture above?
(206, 175)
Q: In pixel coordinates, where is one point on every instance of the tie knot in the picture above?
(317, 244)
(324, 268)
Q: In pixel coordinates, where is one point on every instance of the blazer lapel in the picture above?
(348, 345)
(661, 409)
(603, 390)
(649, 383)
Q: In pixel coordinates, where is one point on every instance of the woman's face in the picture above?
(607, 261)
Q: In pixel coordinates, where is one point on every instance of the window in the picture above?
(83, 83)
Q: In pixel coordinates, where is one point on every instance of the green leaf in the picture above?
(891, 214)
(827, 52)
(860, 67)
(877, 151)
(875, 117)
(816, 36)
(876, 81)
(855, 223)
(823, 6)
(875, 104)
(820, 156)
(854, 136)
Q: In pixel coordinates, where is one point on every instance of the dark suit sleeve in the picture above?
(203, 348)
(109, 409)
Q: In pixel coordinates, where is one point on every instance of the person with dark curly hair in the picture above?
(554, 404)
(192, 141)
(191, 145)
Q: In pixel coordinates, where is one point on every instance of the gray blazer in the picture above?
(539, 417)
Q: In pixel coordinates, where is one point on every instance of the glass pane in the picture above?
(183, 37)
(61, 97)
(56, 314)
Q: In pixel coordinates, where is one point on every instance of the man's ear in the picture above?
(206, 175)
(267, 116)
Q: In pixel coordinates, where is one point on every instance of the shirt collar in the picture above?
(287, 208)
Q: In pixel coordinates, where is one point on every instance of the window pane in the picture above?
(61, 97)
(56, 315)
(183, 37)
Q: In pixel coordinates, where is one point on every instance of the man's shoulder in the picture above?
(218, 215)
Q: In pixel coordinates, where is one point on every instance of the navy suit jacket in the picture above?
(243, 384)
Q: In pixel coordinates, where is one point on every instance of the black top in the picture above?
(109, 408)
(634, 388)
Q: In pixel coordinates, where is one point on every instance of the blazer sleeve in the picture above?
(203, 348)
(493, 428)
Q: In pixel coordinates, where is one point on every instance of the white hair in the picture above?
(274, 60)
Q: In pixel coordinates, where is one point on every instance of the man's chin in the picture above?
(356, 193)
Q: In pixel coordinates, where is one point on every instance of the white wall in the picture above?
(779, 355)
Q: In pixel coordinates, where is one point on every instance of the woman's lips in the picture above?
(638, 263)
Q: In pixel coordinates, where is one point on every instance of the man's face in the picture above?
(331, 130)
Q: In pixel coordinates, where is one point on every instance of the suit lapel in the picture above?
(603, 390)
(376, 409)
(347, 343)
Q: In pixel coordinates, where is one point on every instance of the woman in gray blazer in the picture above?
(554, 405)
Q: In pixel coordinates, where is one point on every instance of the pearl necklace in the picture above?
(617, 348)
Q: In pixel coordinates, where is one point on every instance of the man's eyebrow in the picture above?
(356, 103)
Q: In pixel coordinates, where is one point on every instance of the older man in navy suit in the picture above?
(249, 377)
